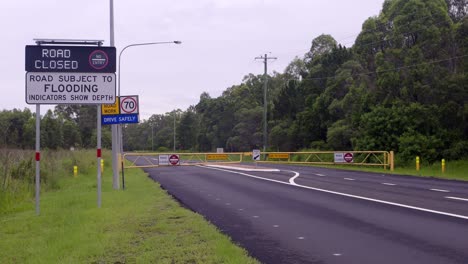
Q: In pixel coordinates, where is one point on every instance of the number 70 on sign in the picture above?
(129, 104)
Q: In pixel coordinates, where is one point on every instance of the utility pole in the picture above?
(265, 80)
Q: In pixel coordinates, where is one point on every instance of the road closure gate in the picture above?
(151, 160)
(384, 159)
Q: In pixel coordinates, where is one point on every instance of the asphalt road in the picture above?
(302, 214)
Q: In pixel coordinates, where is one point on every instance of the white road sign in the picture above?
(129, 104)
(256, 154)
(70, 88)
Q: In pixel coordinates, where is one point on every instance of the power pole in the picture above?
(265, 61)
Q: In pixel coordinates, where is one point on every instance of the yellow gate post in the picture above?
(102, 165)
(392, 161)
(75, 171)
(417, 163)
(443, 165)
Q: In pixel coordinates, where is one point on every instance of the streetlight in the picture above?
(117, 144)
(142, 44)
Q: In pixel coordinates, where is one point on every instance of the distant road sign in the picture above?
(217, 156)
(348, 157)
(70, 59)
(163, 160)
(129, 104)
(256, 154)
(278, 155)
(70, 88)
(174, 159)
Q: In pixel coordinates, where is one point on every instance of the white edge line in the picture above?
(343, 194)
(320, 175)
(349, 179)
(387, 183)
(456, 198)
(439, 190)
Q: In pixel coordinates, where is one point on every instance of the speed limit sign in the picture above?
(129, 104)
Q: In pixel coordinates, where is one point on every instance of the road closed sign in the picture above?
(340, 157)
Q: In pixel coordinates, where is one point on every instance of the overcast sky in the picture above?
(220, 39)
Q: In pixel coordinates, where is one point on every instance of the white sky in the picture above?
(220, 39)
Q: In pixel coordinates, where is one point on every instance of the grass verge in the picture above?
(142, 224)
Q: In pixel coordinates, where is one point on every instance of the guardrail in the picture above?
(383, 159)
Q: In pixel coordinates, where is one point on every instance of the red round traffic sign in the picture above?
(128, 105)
(174, 159)
(348, 157)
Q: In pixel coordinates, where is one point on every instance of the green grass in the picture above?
(142, 224)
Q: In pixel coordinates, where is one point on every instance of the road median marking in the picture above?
(439, 190)
(457, 198)
(292, 183)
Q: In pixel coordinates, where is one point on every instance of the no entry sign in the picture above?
(174, 159)
(348, 157)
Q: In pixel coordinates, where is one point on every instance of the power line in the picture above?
(265, 61)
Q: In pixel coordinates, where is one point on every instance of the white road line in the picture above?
(439, 190)
(242, 169)
(336, 254)
(456, 198)
(349, 179)
(387, 183)
(291, 182)
(320, 175)
(256, 216)
(276, 226)
(301, 238)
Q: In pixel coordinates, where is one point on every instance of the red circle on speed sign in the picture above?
(174, 159)
(128, 105)
(348, 157)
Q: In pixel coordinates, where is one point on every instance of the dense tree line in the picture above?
(402, 86)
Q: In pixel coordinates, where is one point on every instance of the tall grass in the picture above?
(18, 170)
(142, 224)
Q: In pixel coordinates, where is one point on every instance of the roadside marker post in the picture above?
(417, 163)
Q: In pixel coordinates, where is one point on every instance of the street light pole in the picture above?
(174, 129)
(152, 138)
(141, 44)
(119, 130)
